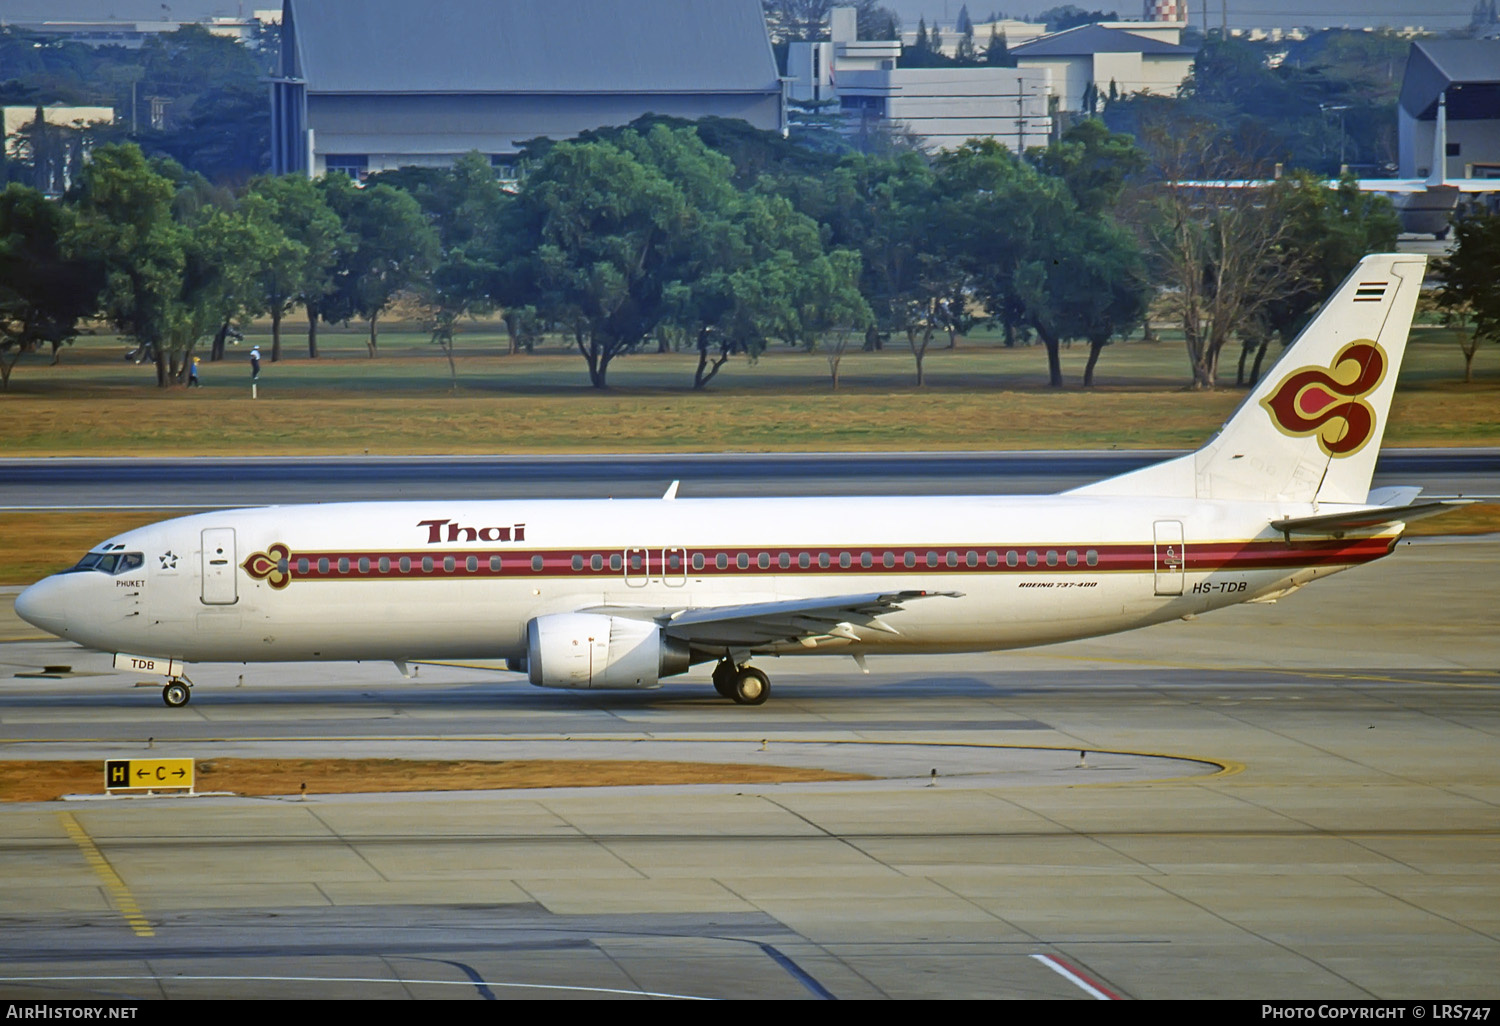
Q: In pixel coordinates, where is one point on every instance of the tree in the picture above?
(1095, 288)
(230, 248)
(44, 291)
(967, 53)
(1222, 252)
(390, 249)
(301, 267)
(1331, 230)
(1034, 254)
(996, 51)
(1332, 101)
(1094, 163)
(834, 310)
(465, 206)
(1470, 293)
(1059, 19)
(592, 236)
(216, 122)
(125, 220)
(803, 20)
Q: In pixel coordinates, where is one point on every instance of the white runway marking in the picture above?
(1073, 976)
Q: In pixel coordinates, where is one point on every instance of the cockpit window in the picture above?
(111, 562)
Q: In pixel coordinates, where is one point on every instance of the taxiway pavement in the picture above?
(1339, 842)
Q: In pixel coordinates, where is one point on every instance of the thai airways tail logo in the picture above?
(1329, 402)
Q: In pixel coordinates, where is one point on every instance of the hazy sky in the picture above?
(1432, 14)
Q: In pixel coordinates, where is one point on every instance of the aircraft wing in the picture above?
(1416, 185)
(761, 623)
(1386, 185)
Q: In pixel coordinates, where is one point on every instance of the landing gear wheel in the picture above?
(724, 675)
(751, 687)
(176, 694)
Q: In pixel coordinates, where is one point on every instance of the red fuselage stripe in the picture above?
(1207, 557)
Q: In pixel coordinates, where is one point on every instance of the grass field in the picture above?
(980, 396)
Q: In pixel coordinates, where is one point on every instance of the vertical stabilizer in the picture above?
(1311, 429)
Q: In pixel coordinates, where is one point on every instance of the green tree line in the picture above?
(713, 238)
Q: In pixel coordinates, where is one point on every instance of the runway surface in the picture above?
(1334, 835)
(211, 483)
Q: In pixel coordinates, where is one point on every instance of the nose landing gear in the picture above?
(177, 692)
(745, 685)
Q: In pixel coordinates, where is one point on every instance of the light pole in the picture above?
(1325, 108)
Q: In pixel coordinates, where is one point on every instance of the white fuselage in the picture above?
(461, 580)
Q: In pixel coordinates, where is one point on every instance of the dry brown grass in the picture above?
(695, 422)
(40, 781)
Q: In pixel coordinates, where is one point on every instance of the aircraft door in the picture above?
(674, 567)
(1170, 556)
(637, 567)
(218, 567)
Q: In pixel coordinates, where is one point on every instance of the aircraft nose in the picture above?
(44, 605)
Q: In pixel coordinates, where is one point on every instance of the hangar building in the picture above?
(1465, 73)
(371, 85)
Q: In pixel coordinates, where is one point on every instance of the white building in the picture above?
(1111, 60)
(942, 107)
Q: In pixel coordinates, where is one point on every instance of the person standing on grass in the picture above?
(193, 381)
(255, 363)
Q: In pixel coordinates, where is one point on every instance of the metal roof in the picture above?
(524, 46)
(1086, 40)
(1469, 69)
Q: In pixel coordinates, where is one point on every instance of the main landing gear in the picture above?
(744, 684)
(177, 692)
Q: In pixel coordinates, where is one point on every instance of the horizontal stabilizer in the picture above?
(1339, 524)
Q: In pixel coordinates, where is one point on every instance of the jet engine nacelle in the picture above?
(590, 650)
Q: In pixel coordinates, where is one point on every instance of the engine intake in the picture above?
(591, 650)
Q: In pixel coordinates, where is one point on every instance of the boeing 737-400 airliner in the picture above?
(621, 594)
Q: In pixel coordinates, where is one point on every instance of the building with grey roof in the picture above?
(1111, 60)
(1465, 74)
(369, 85)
